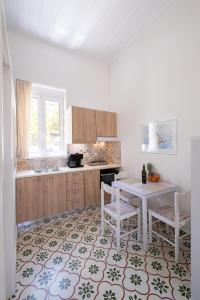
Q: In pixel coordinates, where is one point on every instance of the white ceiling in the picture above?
(97, 28)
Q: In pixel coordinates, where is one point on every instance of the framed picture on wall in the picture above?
(159, 137)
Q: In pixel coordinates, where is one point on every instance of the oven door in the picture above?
(108, 178)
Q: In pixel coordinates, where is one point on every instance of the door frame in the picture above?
(7, 167)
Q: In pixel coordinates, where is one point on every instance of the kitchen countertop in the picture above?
(31, 173)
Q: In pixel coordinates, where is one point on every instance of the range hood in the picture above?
(107, 139)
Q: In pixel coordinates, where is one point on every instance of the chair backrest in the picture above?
(115, 195)
(121, 175)
(182, 204)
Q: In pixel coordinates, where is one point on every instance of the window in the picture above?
(46, 122)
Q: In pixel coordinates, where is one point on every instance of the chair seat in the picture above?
(126, 196)
(125, 208)
(133, 200)
(168, 213)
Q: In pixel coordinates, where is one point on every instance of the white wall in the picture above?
(158, 78)
(85, 79)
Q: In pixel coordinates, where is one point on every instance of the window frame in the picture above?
(42, 148)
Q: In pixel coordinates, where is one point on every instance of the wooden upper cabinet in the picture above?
(29, 198)
(84, 125)
(106, 123)
(81, 125)
(54, 194)
(92, 187)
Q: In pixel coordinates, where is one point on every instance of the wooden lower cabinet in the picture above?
(77, 203)
(92, 187)
(47, 195)
(54, 194)
(29, 198)
(75, 194)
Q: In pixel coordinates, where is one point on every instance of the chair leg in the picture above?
(150, 227)
(118, 235)
(139, 225)
(177, 245)
(102, 222)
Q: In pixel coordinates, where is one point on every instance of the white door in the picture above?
(195, 181)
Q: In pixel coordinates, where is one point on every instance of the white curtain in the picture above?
(23, 94)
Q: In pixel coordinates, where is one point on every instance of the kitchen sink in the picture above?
(46, 170)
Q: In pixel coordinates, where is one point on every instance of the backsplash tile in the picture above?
(113, 150)
(22, 164)
(108, 151)
(90, 152)
(36, 163)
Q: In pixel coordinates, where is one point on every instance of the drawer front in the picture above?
(76, 194)
(75, 181)
(74, 176)
(75, 185)
(74, 204)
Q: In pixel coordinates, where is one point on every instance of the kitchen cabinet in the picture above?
(29, 198)
(106, 123)
(84, 125)
(81, 125)
(92, 187)
(75, 190)
(48, 195)
(54, 194)
(51, 194)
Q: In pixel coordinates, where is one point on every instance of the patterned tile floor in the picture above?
(67, 258)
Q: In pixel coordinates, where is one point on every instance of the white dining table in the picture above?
(144, 192)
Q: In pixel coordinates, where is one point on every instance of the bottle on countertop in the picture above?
(144, 175)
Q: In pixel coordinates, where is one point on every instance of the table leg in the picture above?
(145, 227)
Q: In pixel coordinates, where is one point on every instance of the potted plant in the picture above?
(152, 176)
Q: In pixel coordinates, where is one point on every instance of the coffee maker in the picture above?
(75, 160)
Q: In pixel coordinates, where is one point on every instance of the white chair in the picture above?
(135, 201)
(118, 211)
(126, 196)
(177, 217)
